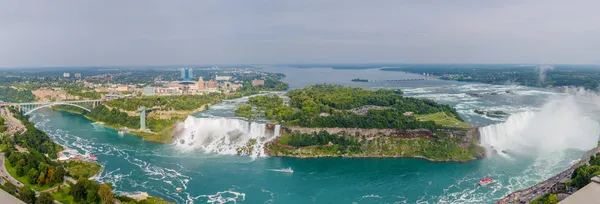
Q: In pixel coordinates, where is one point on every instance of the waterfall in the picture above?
(560, 124)
(223, 135)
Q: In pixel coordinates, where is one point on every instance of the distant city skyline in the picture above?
(155, 33)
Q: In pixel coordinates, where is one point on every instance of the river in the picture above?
(208, 172)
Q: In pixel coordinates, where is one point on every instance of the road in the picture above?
(532, 193)
(13, 124)
(5, 173)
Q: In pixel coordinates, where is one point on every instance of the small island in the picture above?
(338, 121)
(360, 80)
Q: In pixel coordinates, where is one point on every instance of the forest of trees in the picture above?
(182, 102)
(39, 169)
(114, 117)
(337, 103)
(15, 96)
(86, 191)
(35, 139)
(120, 119)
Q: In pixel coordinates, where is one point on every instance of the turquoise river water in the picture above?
(207, 170)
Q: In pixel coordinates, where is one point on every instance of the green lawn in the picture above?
(441, 118)
(63, 196)
(13, 172)
(82, 169)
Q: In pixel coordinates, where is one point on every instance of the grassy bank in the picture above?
(82, 169)
(434, 150)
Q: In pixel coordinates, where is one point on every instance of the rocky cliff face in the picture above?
(440, 145)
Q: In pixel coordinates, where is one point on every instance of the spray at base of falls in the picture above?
(559, 125)
(225, 136)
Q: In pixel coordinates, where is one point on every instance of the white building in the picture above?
(223, 78)
(66, 75)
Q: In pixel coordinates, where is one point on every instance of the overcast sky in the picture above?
(90, 33)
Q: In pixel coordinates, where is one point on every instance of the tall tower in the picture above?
(190, 74)
(143, 118)
(183, 73)
(200, 83)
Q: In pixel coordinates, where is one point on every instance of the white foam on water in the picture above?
(223, 135)
(228, 196)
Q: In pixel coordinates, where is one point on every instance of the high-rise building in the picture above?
(66, 75)
(78, 75)
(186, 74)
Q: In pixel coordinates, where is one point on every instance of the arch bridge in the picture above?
(28, 108)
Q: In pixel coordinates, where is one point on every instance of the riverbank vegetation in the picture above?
(160, 129)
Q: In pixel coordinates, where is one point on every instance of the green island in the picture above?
(31, 159)
(338, 121)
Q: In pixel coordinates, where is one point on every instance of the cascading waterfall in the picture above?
(560, 124)
(224, 135)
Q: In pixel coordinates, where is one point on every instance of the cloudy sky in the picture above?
(116, 32)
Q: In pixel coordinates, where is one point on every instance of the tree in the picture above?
(553, 199)
(78, 192)
(59, 175)
(106, 194)
(50, 176)
(20, 170)
(33, 176)
(27, 195)
(45, 198)
(42, 179)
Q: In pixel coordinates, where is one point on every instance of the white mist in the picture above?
(223, 135)
(560, 124)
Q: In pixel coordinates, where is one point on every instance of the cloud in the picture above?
(41, 33)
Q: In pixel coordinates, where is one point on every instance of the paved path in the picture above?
(6, 175)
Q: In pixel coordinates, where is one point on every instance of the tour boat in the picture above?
(93, 157)
(287, 170)
(179, 189)
(121, 132)
(486, 181)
